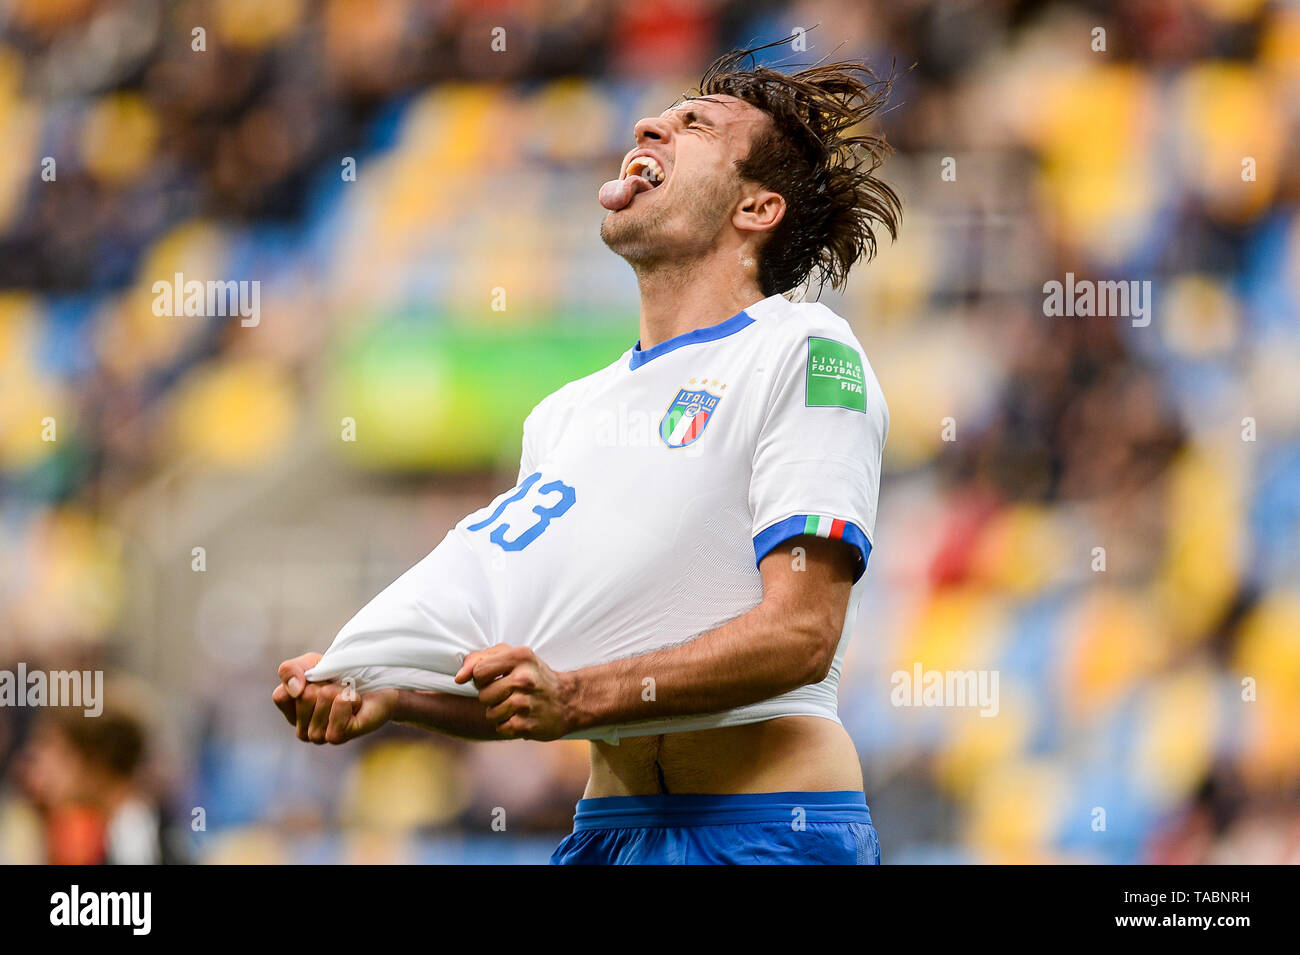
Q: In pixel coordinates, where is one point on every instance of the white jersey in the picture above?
(647, 495)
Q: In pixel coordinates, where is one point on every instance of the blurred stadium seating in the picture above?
(458, 277)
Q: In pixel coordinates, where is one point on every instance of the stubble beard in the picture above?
(652, 242)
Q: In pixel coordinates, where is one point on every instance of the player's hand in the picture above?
(524, 697)
(341, 714)
(328, 712)
(288, 695)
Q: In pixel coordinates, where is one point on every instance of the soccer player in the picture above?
(682, 592)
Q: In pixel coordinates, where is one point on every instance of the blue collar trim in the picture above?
(711, 334)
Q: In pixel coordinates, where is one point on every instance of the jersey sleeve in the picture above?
(816, 467)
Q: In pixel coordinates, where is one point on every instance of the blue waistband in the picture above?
(668, 810)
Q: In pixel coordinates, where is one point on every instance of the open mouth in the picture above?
(642, 174)
(648, 168)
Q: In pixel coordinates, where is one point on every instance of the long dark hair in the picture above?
(816, 156)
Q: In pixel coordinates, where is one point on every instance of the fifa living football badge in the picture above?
(687, 417)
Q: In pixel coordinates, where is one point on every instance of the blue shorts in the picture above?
(763, 828)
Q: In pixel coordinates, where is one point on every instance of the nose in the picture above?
(655, 129)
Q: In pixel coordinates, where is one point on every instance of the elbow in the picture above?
(817, 651)
(819, 664)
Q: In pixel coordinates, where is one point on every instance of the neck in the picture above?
(111, 794)
(677, 299)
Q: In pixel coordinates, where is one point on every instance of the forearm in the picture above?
(447, 713)
(759, 655)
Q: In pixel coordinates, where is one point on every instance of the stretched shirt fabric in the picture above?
(647, 495)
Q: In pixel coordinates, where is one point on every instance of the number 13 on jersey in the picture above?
(557, 497)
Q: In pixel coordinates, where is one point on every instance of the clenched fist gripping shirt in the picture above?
(647, 494)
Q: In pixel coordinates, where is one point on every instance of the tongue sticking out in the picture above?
(617, 193)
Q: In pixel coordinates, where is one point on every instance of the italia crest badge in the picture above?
(687, 417)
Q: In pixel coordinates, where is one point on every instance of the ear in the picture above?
(760, 210)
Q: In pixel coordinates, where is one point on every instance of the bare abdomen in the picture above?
(787, 754)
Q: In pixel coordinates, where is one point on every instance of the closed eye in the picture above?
(693, 120)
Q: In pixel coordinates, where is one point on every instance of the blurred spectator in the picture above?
(84, 776)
